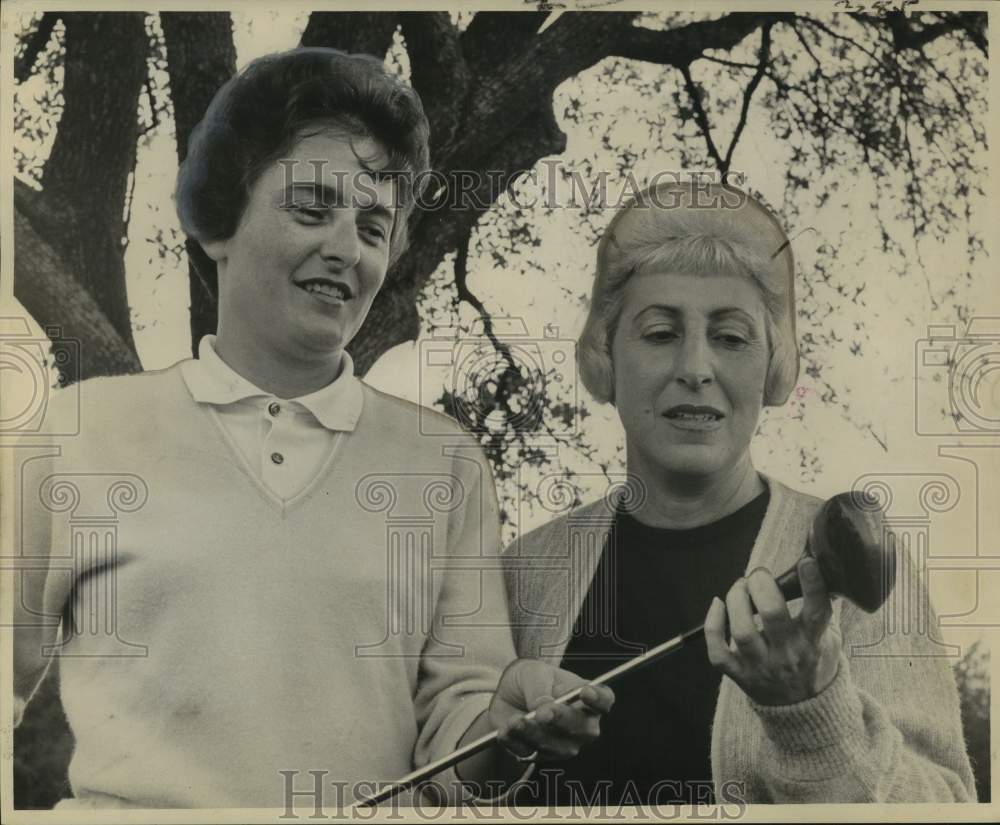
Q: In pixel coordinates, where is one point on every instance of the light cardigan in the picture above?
(358, 628)
(887, 729)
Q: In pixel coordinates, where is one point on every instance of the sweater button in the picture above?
(274, 408)
(277, 458)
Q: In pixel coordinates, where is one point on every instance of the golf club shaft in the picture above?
(483, 742)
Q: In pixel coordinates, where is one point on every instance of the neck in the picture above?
(275, 372)
(682, 502)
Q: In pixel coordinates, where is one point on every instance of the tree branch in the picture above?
(735, 64)
(908, 34)
(701, 118)
(577, 41)
(678, 47)
(974, 24)
(201, 56)
(55, 299)
(351, 31)
(437, 232)
(492, 36)
(34, 45)
(437, 72)
(765, 56)
(465, 294)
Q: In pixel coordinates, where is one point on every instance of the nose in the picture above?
(694, 366)
(341, 246)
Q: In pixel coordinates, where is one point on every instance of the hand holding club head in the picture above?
(847, 539)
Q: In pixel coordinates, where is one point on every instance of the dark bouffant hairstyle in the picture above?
(259, 114)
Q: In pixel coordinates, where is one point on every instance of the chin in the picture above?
(692, 460)
(324, 339)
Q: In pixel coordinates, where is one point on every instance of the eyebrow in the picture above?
(715, 315)
(330, 196)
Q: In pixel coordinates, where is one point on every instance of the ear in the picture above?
(216, 250)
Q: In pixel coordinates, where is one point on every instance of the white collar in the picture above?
(337, 406)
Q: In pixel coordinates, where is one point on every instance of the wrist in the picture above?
(494, 765)
(818, 722)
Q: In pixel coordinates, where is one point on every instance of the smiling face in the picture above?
(690, 358)
(298, 277)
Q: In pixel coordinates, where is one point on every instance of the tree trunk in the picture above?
(351, 31)
(86, 343)
(85, 180)
(461, 141)
(201, 57)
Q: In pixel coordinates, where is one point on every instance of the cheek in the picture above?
(746, 385)
(637, 387)
(372, 269)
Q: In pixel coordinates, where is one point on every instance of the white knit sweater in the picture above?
(331, 632)
(887, 729)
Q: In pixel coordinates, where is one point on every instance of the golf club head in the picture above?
(847, 539)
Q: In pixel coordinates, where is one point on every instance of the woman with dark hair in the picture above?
(284, 619)
(690, 332)
(261, 112)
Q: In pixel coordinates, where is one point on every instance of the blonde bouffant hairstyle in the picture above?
(694, 228)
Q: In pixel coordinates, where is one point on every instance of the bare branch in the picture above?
(851, 41)
(908, 33)
(678, 47)
(808, 47)
(701, 118)
(765, 56)
(732, 63)
(465, 294)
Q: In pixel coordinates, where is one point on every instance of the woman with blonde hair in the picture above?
(690, 333)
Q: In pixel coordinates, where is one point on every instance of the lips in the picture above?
(692, 412)
(326, 289)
